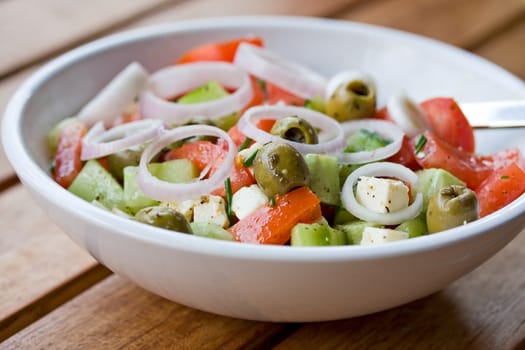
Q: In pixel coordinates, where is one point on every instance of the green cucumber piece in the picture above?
(211, 91)
(94, 182)
(316, 234)
(342, 216)
(175, 171)
(430, 181)
(365, 140)
(415, 227)
(324, 177)
(354, 230)
(210, 230)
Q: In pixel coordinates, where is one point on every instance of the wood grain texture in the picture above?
(483, 310)
(116, 314)
(35, 259)
(465, 23)
(33, 29)
(507, 49)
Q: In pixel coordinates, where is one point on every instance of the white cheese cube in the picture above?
(382, 195)
(211, 209)
(248, 152)
(247, 200)
(376, 235)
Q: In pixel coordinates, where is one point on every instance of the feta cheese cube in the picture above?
(184, 207)
(247, 200)
(376, 235)
(211, 209)
(382, 195)
(248, 152)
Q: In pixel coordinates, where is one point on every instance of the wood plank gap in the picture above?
(274, 337)
(499, 31)
(110, 29)
(49, 302)
(349, 7)
(9, 181)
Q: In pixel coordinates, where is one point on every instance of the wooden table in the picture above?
(53, 295)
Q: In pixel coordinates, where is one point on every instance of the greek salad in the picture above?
(235, 142)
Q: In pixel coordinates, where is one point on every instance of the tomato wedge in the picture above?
(276, 94)
(272, 225)
(218, 51)
(67, 157)
(449, 123)
(437, 153)
(502, 187)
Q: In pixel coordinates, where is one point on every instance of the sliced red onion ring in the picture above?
(386, 169)
(166, 191)
(407, 114)
(345, 77)
(116, 96)
(387, 129)
(100, 142)
(331, 137)
(170, 82)
(289, 75)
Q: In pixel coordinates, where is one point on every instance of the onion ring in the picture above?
(388, 129)
(99, 142)
(335, 141)
(407, 114)
(167, 191)
(276, 69)
(381, 169)
(115, 97)
(173, 81)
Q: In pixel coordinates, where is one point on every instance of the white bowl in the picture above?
(269, 283)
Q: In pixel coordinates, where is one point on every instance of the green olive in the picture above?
(164, 217)
(278, 168)
(451, 206)
(118, 161)
(295, 129)
(352, 100)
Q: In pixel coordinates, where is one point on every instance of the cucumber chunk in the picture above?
(316, 234)
(96, 183)
(210, 91)
(415, 227)
(365, 140)
(175, 171)
(354, 230)
(430, 181)
(324, 177)
(210, 230)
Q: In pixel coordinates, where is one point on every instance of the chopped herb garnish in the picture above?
(272, 202)
(245, 144)
(421, 141)
(249, 161)
(504, 177)
(228, 187)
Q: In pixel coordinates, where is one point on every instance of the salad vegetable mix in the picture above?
(235, 142)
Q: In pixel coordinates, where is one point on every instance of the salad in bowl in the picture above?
(236, 142)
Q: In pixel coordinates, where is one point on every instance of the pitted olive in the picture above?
(295, 129)
(278, 168)
(164, 217)
(451, 206)
(351, 100)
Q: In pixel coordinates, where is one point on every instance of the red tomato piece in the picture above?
(437, 153)
(219, 51)
(276, 94)
(504, 158)
(502, 187)
(273, 225)
(405, 155)
(203, 153)
(67, 157)
(449, 123)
